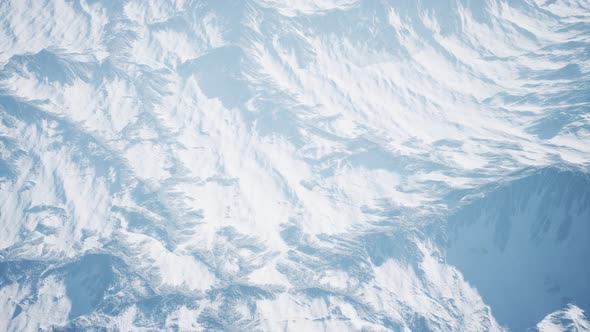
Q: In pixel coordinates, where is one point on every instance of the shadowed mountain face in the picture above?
(294, 165)
(525, 245)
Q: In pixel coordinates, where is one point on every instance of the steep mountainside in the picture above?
(525, 245)
(293, 165)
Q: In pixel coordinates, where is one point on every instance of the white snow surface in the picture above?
(570, 318)
(333, 165)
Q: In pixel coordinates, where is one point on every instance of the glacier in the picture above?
(266, 165)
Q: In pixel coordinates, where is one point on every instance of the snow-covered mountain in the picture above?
(525, 245)
(570, 318)
(244, 165)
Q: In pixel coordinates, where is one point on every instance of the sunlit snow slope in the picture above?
(299, 165)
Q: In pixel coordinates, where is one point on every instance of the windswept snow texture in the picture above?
(570, 318)
(295, 165)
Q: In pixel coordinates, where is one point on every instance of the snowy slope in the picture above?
(525, 245)
(570, 318)
(293, 165)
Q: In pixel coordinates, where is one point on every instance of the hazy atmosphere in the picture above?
(295, 165)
